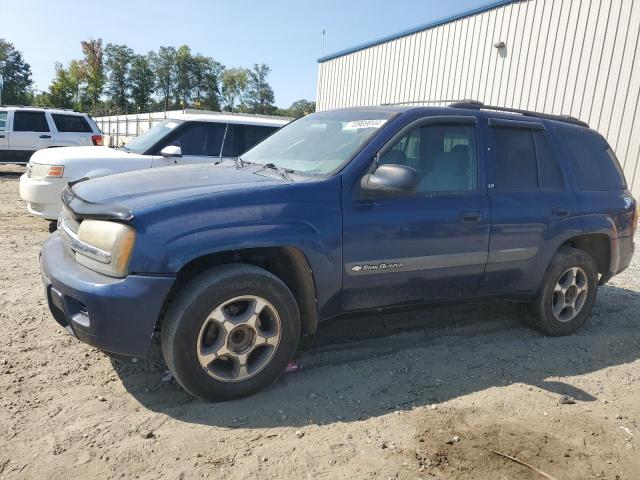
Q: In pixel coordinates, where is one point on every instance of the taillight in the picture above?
(97, 140)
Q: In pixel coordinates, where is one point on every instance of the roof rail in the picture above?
(41, 108)
(476, 105)
(423, 102)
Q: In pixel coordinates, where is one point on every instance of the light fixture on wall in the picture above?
(499, 44)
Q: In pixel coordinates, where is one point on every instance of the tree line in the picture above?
(114, 79)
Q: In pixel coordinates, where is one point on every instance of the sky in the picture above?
(285, 34)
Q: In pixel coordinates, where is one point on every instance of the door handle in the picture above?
(471, 217)
(560, 211)
(45, 136)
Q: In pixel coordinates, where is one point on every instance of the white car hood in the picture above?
(67, 155)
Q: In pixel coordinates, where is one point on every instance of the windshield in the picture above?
(149, 138)
(319, 143)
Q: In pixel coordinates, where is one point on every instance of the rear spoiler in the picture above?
(85, 209)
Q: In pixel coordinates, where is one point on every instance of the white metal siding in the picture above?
(574, 57)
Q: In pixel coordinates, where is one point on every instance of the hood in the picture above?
(64, 155)
(143, 188)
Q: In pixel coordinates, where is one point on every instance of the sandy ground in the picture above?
(412, 396)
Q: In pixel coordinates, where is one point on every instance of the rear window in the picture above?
(30, 122)
(594, 163)
(71, 123)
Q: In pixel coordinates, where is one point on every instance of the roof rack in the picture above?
(41, 108)
(476, 105)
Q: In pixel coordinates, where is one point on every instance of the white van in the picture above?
(24, 130)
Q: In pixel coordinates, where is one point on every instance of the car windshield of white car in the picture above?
(320, 143)
(152, 136)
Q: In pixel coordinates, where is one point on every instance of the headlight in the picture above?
(105, 246)
(38, 170)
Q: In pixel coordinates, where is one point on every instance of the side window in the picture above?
(191, 140)
(241, 138)
(548, 169)
(443, 155)
(594, 163)
(214, 135)
(71, 123)
(30, 122)
(515, 165)
(3, 121)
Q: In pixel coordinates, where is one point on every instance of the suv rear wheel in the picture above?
(567, 293)
(230, 332)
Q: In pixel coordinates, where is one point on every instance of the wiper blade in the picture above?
(284, 172)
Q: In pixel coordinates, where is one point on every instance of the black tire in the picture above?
(191, 307)
(544, 318)
(53, 226)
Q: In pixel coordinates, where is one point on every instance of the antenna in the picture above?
(322, 46)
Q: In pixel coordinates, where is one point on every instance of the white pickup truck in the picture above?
(185, 139)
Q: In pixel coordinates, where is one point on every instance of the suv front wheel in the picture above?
(567, 293)
(230, 332)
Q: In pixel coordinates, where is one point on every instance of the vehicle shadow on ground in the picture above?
(365, 367)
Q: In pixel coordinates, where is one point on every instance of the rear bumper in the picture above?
(116, 315)
(43, 196)
(626, 247)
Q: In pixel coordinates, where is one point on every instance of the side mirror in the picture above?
(171, 151)
(390, 179)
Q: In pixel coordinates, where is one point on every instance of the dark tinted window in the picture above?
(550, 176)
(3, 121)
(515, 159)
(443, 155)
(593, 161)
(30, 122)
(241, 138)
(200, 139)
(71, 123)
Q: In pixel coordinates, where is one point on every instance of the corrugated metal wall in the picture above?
(576, 57)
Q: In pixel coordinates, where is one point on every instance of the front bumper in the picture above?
(43, 196)
(116, 315)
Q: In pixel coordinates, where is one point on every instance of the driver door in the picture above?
(200, 142)
(432, 245)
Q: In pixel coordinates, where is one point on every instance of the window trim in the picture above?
(433, 120)
(555, 158)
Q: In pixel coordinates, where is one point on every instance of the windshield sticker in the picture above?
(171, 125)
(363, 124)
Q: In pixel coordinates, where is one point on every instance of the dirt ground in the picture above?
(410, 396)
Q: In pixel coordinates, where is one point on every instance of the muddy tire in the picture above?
(567, 293)
(230, 332)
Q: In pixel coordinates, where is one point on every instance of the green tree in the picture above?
(94, 69)
(118, 62)
(259, 95)
(16, 73)
(184, 66)
(234, 84)
(206, 79)
(62, 90)
(162, 64)
(301, 107)
(142, 81)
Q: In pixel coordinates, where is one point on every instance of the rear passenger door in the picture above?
(71, 130)
(31, 132)
(531, 204)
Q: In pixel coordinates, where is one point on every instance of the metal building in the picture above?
(575, 57)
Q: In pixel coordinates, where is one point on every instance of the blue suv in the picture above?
(359, 209)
